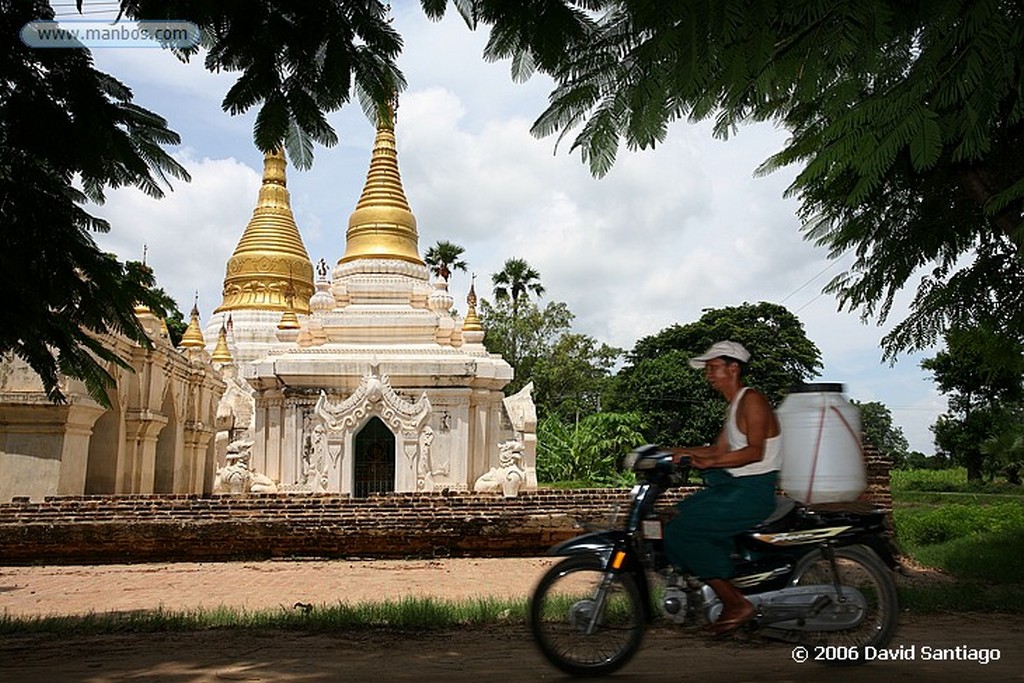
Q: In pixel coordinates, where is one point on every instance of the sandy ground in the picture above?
(504, 653)
(28, 591)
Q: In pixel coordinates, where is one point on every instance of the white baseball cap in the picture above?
(723, 348)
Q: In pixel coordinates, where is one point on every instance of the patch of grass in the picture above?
(972, 533)
(991, 557)
(409, 614)
(963, 596)
(929, 525)
(953, 480)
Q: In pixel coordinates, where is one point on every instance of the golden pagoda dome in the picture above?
(270, 255)
(221, 352)
(193, 337)
(382, 226)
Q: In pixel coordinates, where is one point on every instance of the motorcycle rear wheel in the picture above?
(860, 568)
(587, 621)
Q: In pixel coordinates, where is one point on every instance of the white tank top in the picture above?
(772, 460)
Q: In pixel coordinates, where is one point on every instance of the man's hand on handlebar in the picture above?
(684, 457)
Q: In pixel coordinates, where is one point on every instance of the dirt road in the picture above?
(502, 653)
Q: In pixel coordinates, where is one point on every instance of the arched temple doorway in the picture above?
(374, 459)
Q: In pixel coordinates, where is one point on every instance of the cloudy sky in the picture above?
(665, 235)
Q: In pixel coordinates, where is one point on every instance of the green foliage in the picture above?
(916, 460)
(296, 61)
(949, 479)
(443, 257)
(68, 132)
(981, 371)
(984, 556)
(676, 400)
(905, 119)
(515, 281)
(572, 377)
(964, 529)
(519, 340)
(590, 449)
(931, 525)
(880, 432)
(524, 337)
(1004, 450)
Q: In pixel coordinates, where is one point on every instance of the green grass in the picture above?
(409, 614)
(927, 525)
(963, 596)
(953, 480)
(973, 532)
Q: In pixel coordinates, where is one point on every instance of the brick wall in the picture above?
(149, 528)
(87, 529)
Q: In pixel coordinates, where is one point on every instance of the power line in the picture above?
(824, 270)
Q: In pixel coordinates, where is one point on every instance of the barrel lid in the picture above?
(818, 388)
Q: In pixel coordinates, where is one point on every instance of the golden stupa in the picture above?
(472, 320)
(221, 353)
(270, 257)
(382, 226)
(193, 337)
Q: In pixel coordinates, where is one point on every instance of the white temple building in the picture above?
(360, 381)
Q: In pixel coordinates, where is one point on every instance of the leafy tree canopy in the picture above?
(676, 400)
(443, 257)
(523, 338)
(906, 119)
(879, 430)
(572, 377)
(297, 61)
(982, 373)
(515, 281)
(68, 132)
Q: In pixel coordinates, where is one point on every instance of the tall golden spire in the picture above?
(270, 254)
(382, 226)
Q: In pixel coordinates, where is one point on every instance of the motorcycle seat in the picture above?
(783, 506)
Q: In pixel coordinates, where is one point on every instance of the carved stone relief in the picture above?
(332, 424)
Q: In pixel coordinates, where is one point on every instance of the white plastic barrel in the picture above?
(822, 457)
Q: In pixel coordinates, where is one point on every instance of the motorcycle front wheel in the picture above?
(857, 567)
(586, 620)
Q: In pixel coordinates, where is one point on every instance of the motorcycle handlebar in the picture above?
(652, 457)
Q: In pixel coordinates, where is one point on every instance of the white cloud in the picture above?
(190, 233)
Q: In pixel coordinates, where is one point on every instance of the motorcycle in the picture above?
(817, 578)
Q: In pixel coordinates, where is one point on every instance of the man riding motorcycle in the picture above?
(740, 470)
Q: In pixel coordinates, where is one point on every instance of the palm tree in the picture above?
(515, 281)
(443, 257)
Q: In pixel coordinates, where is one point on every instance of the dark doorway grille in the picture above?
(375, 460)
